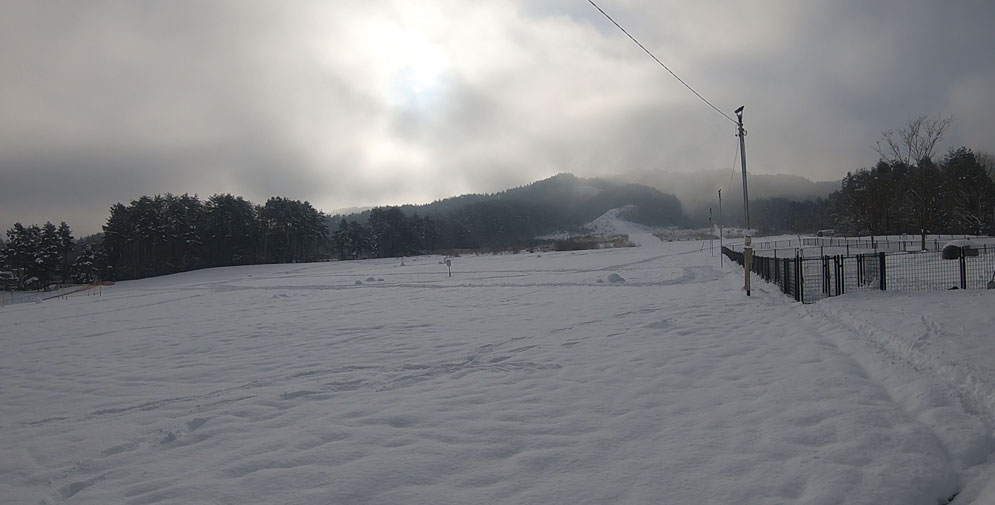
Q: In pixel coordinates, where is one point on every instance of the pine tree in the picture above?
(971, 193)
(84, 268)
(66, 246)
(47, 256)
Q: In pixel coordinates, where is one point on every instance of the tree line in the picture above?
(163, 234)
(909, 191)
(491, 224)
(955, 195)
(43, 254)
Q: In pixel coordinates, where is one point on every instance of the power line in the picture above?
(662, 64)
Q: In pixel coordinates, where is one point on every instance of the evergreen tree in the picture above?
(119, 244)
(340, 238)
(232, 231)
(358, 240)
(84, 269)
(185, 217)
(971, 193)
(48, 256)
(22, 251)
(65, 249)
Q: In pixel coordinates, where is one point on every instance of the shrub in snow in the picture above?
(615, 278)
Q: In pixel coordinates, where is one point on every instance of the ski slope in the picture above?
(626, 376)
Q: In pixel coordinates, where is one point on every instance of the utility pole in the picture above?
(711, 236)
(720, 228)
(741, 133)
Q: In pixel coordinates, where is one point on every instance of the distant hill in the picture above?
(563, 202)
(697, 191)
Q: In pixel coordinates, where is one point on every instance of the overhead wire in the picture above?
(662, 64)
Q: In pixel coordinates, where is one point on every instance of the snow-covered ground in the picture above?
(633, 375)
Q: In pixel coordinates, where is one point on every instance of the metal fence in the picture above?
(62, 291)
(829, 246)
(812, 278)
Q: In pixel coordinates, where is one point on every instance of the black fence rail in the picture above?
(864, 245)
(809, 279)
(786, 273)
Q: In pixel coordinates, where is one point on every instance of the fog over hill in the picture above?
(697, 191)
(563, 201)
(659, 198)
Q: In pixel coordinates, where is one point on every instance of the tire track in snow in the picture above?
(975, 394)
(970, 438)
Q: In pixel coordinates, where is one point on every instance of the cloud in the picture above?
(354, 103)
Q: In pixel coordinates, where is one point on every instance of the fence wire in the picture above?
(811, 278)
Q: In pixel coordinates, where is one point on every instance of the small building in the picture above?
(956, 248)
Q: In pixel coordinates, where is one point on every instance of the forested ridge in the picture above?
(905, 192)
(162, 234)
(511, 218)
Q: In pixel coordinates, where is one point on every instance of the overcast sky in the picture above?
(352, 103)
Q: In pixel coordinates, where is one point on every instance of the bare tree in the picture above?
(914, 142)
(925, 198)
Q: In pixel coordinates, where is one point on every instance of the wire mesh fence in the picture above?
(928, 271)
(811, 278)
(823, 246)
(35, 296)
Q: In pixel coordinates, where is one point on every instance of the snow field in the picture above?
(521, 379)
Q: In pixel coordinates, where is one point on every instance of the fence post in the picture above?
(798, 276)
(861, 274)
(963, 270)
(883, 271)
(777, 271)
(843, 275)
(825, 275)
(836, 274)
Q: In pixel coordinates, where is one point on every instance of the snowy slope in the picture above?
(633, 375)
(610, 224)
